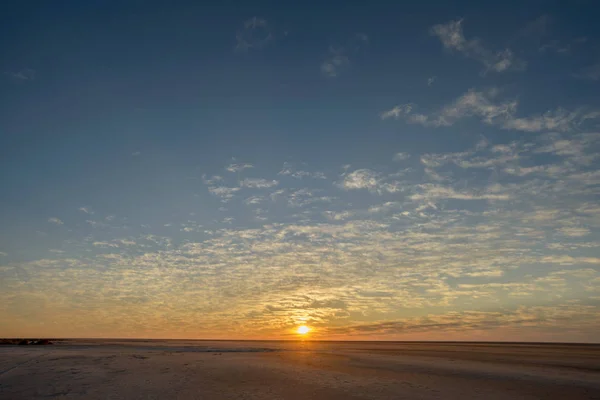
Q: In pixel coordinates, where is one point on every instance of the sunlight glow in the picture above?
(303, 330)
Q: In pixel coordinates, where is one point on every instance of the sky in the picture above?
(373, 170)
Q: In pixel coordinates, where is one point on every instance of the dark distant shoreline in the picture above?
(27, 341)
(33, 341)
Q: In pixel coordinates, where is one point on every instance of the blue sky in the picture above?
(387, 171)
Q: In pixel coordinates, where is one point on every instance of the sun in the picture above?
(303, 330)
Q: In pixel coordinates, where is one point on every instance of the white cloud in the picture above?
(26, 74)
(361, 179)
(224, 192)
(339, 216)
(289, 170)
(304, 197)
(56, 221)
(86, 210)
(430, 191)
(569, 260)
(3, 254)
(452, 37)
(397, 111)
(430, 80)
(254, 200)
(238, 167)
(369, 180)
(401, 156)
(258, 183)
(471, 104)
(212, 180)
(255, 34)
(557, 120)
(104, 244)
(483, 105)
(573, 231)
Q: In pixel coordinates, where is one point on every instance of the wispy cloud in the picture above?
(369, 180)
(55, 221)
(258, 183)
(401, 156)
(452, 37)
(255, 34)
(471, 104)
(289, 170)
(591, 72)
(339, 56)
(26, 74)
(238, 167)
(433, 192)
(224, 192)
(486, 106)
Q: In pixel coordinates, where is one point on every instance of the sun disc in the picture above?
(303, 330)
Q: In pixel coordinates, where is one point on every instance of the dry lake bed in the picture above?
(173, 369)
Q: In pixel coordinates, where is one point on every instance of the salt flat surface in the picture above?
(159, 369)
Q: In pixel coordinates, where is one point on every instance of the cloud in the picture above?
(495, 223)
(56, 221)
(401, 156)
(254, 200)
(104, 244)
(86, 210)
(556, 47)
(369, 180)
(258, 183)
(452, 37)
(555, 120)
(212, 180)
(255, 34)
(591, 72)
(97, 224)
(224, 192)
(289, 170)
(470, 104)
(397, 111)
(430, 80)
(238, 167)
(339, 56)
(334, 61)
(552, 318)
(22, 75)
(433, 192)
(136, 153)
(304, 197)
(485, 106)
(3, 254)
(361, 179)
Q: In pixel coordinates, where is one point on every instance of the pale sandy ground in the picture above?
(298, 370)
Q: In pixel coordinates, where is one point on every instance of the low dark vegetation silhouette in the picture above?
(25, 342)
